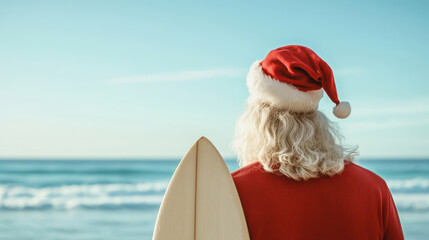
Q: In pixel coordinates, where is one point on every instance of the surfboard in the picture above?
(201, 201)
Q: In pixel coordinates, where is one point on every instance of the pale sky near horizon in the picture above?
(144, 79)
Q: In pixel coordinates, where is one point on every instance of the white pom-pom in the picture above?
(342, 110)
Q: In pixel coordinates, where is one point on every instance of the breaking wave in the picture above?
(414, 184)
(409, 195)
(412, 202)
(95, 196)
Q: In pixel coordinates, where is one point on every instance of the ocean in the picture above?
(119, 199)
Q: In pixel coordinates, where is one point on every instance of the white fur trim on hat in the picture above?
(280, 94)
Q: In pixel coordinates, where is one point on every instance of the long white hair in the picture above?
(298, 145)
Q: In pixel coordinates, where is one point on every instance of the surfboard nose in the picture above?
(202, 138)
(201, 202)
(206, 143)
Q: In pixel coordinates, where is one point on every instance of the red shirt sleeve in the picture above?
(393, 229)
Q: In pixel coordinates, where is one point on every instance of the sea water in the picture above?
(106, 199)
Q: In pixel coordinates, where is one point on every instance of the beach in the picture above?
(119, 199)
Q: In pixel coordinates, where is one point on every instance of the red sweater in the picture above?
(355, 204)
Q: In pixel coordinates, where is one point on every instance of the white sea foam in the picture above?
(412, 202)
(414, 183)
(83, 196)
(149, 195)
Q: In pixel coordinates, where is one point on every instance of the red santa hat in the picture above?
(292, 77)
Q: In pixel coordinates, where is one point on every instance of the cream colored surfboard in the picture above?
(201, 202)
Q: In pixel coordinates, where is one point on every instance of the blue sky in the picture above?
(147, 78)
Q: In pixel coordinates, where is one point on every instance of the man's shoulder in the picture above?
(364, 176)
(251, 168)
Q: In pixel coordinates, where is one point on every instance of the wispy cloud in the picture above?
(389, 114)
(348, 71)
(180, 76)
(387, 124)
(409, 107)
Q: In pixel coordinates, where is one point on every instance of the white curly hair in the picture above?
(298, 145)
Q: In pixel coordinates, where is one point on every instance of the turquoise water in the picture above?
(98, 199)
